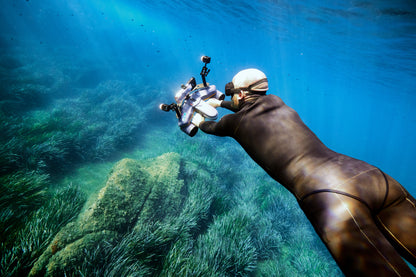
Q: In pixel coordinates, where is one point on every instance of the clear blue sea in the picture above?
(81, 81)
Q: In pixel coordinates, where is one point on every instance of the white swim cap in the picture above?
(252, 80)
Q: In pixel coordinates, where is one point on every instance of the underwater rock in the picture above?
(167, 194)
(134, 190)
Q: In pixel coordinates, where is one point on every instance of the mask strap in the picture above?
(261, 81)
(230, 90)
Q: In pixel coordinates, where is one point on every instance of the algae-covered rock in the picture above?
(166, 197)
(119, 203)
(147, 190)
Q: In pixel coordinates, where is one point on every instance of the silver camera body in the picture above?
(191, 99)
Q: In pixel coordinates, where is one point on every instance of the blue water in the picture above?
(347, 67)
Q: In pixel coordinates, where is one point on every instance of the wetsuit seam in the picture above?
(356, 223)
(411, 202)
(406, 194)
(395, 238)
(366, 237)
(353, 177)
(337, 192)
(403, 197)
(387, 191)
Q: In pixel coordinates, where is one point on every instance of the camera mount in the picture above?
(204, 72)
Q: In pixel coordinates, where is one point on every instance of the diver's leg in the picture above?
(398, 222)
(348, 229)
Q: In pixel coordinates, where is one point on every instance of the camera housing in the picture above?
(191, 99)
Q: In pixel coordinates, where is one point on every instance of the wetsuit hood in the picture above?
(251, 80)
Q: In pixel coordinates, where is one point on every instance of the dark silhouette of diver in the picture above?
(365, 218)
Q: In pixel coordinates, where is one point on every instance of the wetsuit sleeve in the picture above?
(222, 128)
(228, 106)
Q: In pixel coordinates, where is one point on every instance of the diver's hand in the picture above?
(197, 119)
(215, 103)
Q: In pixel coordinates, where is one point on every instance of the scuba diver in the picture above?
(364, 217)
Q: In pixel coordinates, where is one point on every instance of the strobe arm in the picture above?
(204, 72)
(173, 106)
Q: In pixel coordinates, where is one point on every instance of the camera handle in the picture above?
(204, 73)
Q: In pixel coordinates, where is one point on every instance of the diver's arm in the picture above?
(222, 128)
(229, 106)
(211, 127)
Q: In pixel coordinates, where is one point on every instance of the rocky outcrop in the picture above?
(148, 191)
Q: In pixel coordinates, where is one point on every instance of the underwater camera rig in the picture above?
(191, 99)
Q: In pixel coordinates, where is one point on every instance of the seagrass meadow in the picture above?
(96, 180)
(87, 189)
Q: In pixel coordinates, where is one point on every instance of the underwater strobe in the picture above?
(191, 99)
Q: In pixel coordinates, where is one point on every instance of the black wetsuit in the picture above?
(363, 216)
